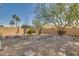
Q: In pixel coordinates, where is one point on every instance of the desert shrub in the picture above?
(61, 32)
(30, 31)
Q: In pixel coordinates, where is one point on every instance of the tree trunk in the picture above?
(24, 30)
(76, 23)
(17, 30)
(16, 24)
(11, 26)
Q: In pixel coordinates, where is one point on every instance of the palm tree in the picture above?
(16, 19)
(11, 23)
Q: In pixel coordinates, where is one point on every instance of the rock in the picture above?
(29, 53)
(64, 46)
(6, 48)
(62, 49)
(70, 43)
(52, 52)
(76, 44)
(18, 48)
(61, 54)
(16, 45)
(26, 43)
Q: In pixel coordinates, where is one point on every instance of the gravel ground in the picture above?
(40, 45)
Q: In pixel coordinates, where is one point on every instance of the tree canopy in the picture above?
(60, 14)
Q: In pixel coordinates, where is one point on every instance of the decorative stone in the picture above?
(29, 53)
(61, 54)
(62, 49)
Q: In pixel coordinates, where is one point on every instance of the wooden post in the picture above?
(1, 39)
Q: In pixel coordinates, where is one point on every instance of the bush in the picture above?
(30, 31)
(61, 32)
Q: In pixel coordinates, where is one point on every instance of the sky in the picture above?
(24, 11)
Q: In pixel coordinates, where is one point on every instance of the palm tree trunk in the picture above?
(18, 29)
(16, 24)
(11, 26)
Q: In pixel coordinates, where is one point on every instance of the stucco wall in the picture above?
(12, 31)
(69, 31)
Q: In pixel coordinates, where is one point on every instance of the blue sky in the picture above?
(24, 11)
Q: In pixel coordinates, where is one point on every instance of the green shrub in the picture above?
(30, 31)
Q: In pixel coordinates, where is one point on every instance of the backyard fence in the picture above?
(12, 31)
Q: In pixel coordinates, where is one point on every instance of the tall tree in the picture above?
(76, 11)
(17, 19)
(38, 25)
(12, 23)
(60, 15)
